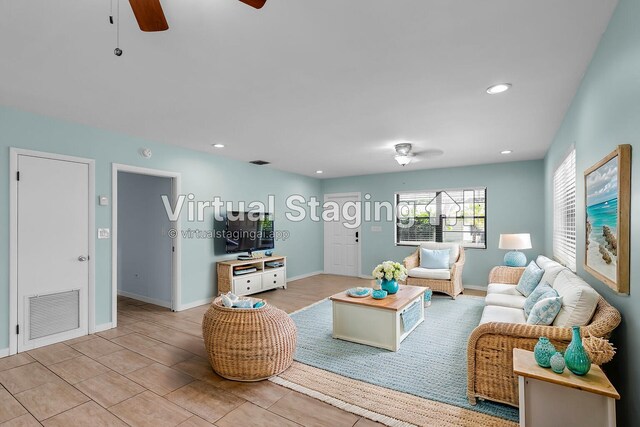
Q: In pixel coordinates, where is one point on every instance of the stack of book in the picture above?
(244, 269)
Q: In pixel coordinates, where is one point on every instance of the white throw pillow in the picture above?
(579, 300)
(550, 267)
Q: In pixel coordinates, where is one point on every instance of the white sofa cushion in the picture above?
(430, 273)
(495, 313)
(579, 300)
(454, 249)
(504, 300)
(550, 267)
(502, 288)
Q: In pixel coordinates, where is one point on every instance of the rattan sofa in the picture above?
(490, 347)
(452, 286)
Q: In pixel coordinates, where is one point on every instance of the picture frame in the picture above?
(607, 202)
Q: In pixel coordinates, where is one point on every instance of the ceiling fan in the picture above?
(150, 16)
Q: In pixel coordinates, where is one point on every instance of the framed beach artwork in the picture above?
(607, 203)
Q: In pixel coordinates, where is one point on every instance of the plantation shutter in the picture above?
(564, 211)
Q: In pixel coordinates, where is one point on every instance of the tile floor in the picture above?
(152, 371)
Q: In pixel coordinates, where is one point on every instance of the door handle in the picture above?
(82, 258)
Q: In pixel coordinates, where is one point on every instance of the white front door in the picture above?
(52, 250)
(342, 243)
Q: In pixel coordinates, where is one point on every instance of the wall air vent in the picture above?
(259, 162)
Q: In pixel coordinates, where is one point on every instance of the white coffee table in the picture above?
(374, 322)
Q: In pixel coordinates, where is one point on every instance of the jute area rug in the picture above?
(380, 404)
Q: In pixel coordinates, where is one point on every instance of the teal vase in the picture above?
(391, 286)
(557, 363)
(576, 356)
(543, 351)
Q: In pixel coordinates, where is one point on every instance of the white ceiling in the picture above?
(307, 85)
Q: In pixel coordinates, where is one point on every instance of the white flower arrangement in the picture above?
(390, 270)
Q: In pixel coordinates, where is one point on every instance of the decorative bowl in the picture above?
(379, 294)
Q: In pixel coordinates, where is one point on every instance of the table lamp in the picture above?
(515, 242)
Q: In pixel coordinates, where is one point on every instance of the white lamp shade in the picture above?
(515, 241)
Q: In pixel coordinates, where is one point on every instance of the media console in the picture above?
(239, 276)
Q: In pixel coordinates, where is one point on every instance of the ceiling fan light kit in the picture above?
(403, 153)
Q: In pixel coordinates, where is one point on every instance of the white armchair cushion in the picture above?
(495, 313)
(430, 273)
(579, 300)
(454, 249)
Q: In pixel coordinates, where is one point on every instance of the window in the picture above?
(564, 211)
(442, 216)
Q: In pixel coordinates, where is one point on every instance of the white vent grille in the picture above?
(54, 313)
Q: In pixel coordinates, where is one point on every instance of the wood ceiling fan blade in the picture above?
(149, 15)
(254, 3)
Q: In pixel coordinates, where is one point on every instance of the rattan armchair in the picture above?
(451, 287)
(490, 346)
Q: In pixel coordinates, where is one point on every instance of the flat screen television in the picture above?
(249, 231)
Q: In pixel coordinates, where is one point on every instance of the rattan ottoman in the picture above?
(248, 344)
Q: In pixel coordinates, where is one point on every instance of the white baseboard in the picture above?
(195, 304)
(475, 287)
(365, 276)
(4, 352)
(304, 276)
(144, 299)
(103, 327)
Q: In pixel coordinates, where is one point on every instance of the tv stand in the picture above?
(245, 277)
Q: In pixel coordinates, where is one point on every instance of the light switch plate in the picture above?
(103, 201)
(104, 233)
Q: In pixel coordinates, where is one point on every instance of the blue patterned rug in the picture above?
(431, 362)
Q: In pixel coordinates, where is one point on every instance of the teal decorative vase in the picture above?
(557, 363)
(427, 297)
(391, 286)
(575, 356)
(543, 352)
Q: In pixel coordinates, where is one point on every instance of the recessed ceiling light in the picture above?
(218, 145)
(319, 171)
(506, 152)
(499, 88)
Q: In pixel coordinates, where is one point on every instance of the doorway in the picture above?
(341, 243)
(51, 249)
(145, 249)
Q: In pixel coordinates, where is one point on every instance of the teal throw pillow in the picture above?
(543, 290)
(434, 258)
(545, 311)
(529, 279)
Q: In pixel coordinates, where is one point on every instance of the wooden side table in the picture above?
(550, 399)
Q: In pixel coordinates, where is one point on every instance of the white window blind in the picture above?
(564, 211)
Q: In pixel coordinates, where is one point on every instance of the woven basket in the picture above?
(248, 344)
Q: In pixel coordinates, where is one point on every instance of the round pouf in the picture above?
(248, 344)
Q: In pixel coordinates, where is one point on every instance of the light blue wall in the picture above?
(605, 113)
(144, 246)
(203, 175)
(514, 205)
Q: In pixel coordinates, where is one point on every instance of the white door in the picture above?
(52, 250)
(342, 243)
